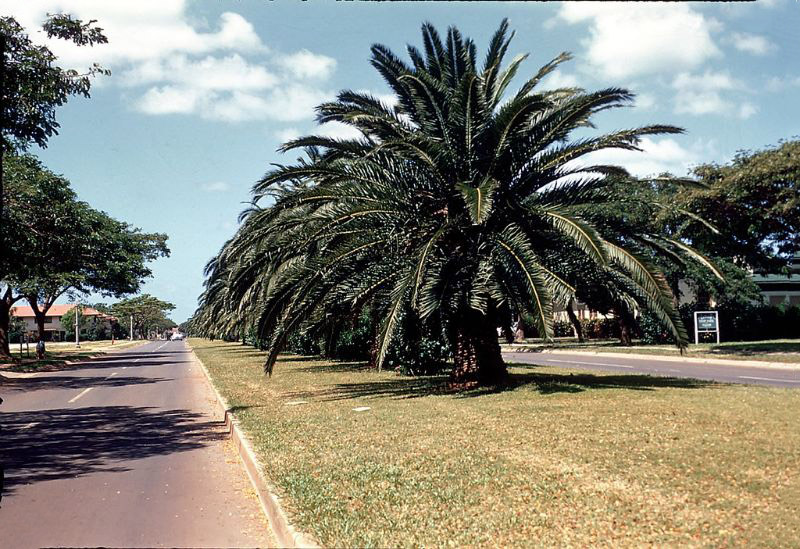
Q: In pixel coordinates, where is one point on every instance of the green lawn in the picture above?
(561, 458)
(774, 350)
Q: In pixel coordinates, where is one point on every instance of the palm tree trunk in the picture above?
(476, 352)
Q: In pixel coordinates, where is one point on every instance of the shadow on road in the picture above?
(545, 383)
(65, 443)
(27, 384)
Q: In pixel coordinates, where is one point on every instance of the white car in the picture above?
(177, 336)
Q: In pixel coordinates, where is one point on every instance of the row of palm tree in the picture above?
(460, 203)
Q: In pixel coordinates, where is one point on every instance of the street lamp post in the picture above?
(77, 329)
(131, 334)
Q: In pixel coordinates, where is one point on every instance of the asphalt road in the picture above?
(123, 451)
(665, 368)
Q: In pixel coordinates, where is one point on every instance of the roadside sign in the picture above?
(706, 322)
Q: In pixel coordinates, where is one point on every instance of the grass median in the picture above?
(560, 457)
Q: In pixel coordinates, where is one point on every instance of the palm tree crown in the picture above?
(460, 201)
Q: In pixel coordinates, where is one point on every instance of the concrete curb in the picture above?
(284, 532)
(668, 358)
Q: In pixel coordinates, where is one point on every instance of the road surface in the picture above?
(123, 451)
(653, 366)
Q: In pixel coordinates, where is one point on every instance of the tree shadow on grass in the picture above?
(67, 443)
(544, 383)
(334, 366)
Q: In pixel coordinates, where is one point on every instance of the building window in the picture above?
(48, 320)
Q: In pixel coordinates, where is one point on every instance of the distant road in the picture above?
(123, 451)
(654, 366)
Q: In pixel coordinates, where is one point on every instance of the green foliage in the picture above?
(302, 343)
(754, 202)
(738, 321)
(33, 86)
(148, 312)
(68, 323)
(16, 329)
(59, 244)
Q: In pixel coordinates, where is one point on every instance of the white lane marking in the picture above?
(770, 379)
(673, 370)
(80, 395)
(588, 363)
(112, 375)
(153, 351)
(361, 409)
(28, 426)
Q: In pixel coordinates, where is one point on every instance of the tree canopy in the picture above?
(58, 244)
(148, 313)
(32, 86)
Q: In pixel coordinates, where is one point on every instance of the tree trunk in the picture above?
(576, 324)
(476, 351)
(5, 325)
(625, 331)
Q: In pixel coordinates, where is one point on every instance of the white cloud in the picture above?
(702, 94)
(137, 31)
(170, 100)
(657, 157)
(215, 186)
(746, 110)
(305, 64)
(287, 134)
(751, 43)
(337, 130)
(645, 100)
(210, 73)
(287, 104)
(778, 83)
(639, 38)
(558, 79)
(222, 71)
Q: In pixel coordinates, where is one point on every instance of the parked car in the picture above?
(177, 336)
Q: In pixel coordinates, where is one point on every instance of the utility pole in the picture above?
(131, 334)
(77, 329)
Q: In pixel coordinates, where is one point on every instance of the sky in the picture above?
(202, 93)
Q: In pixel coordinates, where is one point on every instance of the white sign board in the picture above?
(706, 322)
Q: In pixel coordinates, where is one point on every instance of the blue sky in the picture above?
(202, 93)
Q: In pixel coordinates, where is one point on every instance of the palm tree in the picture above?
(459, 202)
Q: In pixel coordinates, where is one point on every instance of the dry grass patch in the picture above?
(560, 458)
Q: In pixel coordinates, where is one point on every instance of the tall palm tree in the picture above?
(451, 203)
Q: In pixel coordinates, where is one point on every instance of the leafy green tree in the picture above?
(149, 313)
(445, 206)
(68, 323)
(754, 203)
(60, 245)
(32, 86)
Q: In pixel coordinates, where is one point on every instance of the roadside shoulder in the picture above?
(284, 532)
(668, 358)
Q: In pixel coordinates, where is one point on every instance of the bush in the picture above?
(299, 343)
(601, 328)
(563, 328)
(738, 322)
